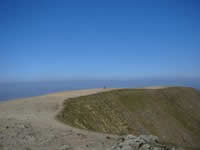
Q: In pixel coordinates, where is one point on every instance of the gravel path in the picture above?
(30, 124)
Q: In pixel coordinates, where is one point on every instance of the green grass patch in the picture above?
(172, 113)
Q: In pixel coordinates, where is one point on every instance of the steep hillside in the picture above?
(172, 114)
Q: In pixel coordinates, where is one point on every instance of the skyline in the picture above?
(48, 40)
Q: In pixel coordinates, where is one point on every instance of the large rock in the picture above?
(143, 142)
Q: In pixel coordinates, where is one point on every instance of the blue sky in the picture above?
(99, 39)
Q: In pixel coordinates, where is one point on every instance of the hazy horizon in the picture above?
(13, 90)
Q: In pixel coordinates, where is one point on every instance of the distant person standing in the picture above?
(104, 87)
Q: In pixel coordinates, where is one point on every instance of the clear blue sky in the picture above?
(99, 39)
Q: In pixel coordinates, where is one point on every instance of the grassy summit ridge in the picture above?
(173, 114)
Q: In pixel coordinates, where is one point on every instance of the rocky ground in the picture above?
(142, 142)
(30, 124)
(21, 135)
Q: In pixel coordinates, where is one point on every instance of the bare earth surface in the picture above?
(30, 124)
